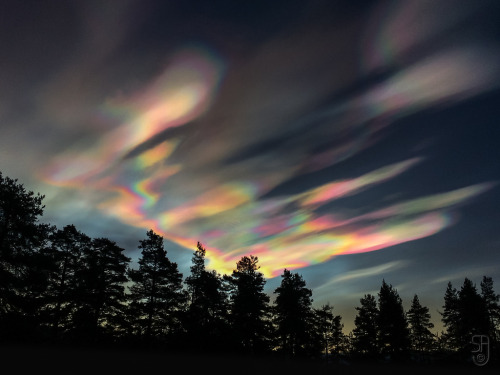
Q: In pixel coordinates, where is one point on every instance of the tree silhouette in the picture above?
(338, 339)
(293, 314)
(101, 291)
(392, 323)
(328, 331)
(21, 238)
(451, 318)
(249, 305)
(207, 313)
(63, 292)
(465, 314)
(492, 306)
(365, 331)
(473, 314)
(421, 337)
(156, 293)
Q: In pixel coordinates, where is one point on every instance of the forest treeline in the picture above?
(60, 286)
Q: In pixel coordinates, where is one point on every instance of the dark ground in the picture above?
(41, 360)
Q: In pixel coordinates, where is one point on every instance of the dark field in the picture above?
(34, 360)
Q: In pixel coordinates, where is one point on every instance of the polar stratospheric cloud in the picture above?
(164, 162)
(349, 142)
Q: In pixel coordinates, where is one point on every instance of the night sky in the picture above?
(348, 141)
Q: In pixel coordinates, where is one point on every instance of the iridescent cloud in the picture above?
(335, 190)
(364, 272)
(179, 95)
(234, 144)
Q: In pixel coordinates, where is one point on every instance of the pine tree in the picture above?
(156, 293)
(101, 291)
(323, 318)
(421, 337)
(63, 291)
(328, 331)
(365, 342)
(392, 323)
(473, 315)
(207, 314)
(491, 302)
(249, 306)
(293, 314)
(465, 314)
(21, 239)
(451, 318)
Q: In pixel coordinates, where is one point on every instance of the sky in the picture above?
(349, 141)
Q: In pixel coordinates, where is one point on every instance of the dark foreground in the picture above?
(40, 360)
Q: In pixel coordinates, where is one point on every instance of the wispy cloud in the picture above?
(457, 278)
(364, 272)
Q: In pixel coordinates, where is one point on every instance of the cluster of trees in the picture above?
(383, 328)
(58, 285)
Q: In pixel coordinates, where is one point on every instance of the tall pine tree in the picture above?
(450, 316)
(329, 338)
(473, 315)
(491, 301)
(63, 294)
(157, 297)
(101, 291)
(21, 239)
(365, 332)
(249, 306)
(465, 314)
(392, 324)
(293, 314)
(421, 338)
(207, 313)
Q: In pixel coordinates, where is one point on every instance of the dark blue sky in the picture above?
(349, 141)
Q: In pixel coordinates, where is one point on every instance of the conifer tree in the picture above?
(294, 314)
(451, 318)
(491, 302)
(392, 323)
(21, 238)
(207, 313)
(63, 292)
(328, 331)
(465, 314)
(365, 332)
(421, 337)
(249, 306)
(472, 314)
(156, 294)
(101, 291)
